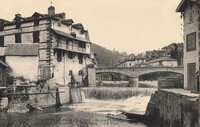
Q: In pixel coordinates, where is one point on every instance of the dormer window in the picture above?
(81, 31)
(73, 34)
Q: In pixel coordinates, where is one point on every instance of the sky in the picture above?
(133, 26)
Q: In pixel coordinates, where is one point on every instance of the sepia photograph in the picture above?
(99, 63)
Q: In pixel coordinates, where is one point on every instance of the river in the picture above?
(89, 113)
(51, 117)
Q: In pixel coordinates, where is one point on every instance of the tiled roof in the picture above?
(22, 50)
(68, 35)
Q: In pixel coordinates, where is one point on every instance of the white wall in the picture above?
(191, 56)
(26, 66)
(61, 69)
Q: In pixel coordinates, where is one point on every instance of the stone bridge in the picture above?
(135, 72)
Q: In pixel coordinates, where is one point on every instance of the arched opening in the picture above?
(111, 79)
(111, 76)
(151, 79)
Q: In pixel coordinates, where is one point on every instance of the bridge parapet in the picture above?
(137, 71)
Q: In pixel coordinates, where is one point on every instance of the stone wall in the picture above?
(173, 109)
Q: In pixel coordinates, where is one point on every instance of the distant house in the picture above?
(131, 61)
(163, 61)
(150, 55)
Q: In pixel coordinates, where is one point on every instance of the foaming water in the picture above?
(138, 103)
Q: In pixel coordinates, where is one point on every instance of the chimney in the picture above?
(17, 15)
(63, 15)
(51, 10)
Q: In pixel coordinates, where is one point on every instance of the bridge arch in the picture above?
(111, 76)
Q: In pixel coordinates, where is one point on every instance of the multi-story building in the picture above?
(189, 10)
(45, 46)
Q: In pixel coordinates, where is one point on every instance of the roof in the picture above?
(4, 64)
(78, 26)
(67, 21)
(22, 50)
(184, 3)
(70, 36)
(161, 59)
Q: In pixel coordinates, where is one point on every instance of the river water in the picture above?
(89, 113)
(51, 117)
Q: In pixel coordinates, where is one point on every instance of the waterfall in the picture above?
(115, 93)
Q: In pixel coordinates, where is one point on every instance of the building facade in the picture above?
(189, 10)
(46, 46)
(163, 61)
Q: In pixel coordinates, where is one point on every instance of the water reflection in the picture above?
(51, 117)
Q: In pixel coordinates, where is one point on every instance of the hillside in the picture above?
(107, 58)
(176, 51)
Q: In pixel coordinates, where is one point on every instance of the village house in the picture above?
(46, 46)
(162, 61)
(131, 61)
(189, 10)
(150, 55)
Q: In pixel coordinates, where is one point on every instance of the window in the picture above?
(70, 73)
(81, 31)
(36, 22)
(59, 23)
(80, 58)
(82, 44)
(1, 41)
(58, 39)
(18, 25)
(1, 27)
(191, 41)
(59, 56)
(67, 43)
(80, 72)
(191, 15)
(70, 55)
(18, 38)
(36, 37)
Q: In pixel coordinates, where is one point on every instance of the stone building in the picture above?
(46, 47)
(189, 10)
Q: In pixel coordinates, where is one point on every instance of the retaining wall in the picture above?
(173, 108)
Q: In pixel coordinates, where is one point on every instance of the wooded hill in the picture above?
(106, 57)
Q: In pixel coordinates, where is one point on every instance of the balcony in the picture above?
(70, 47)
